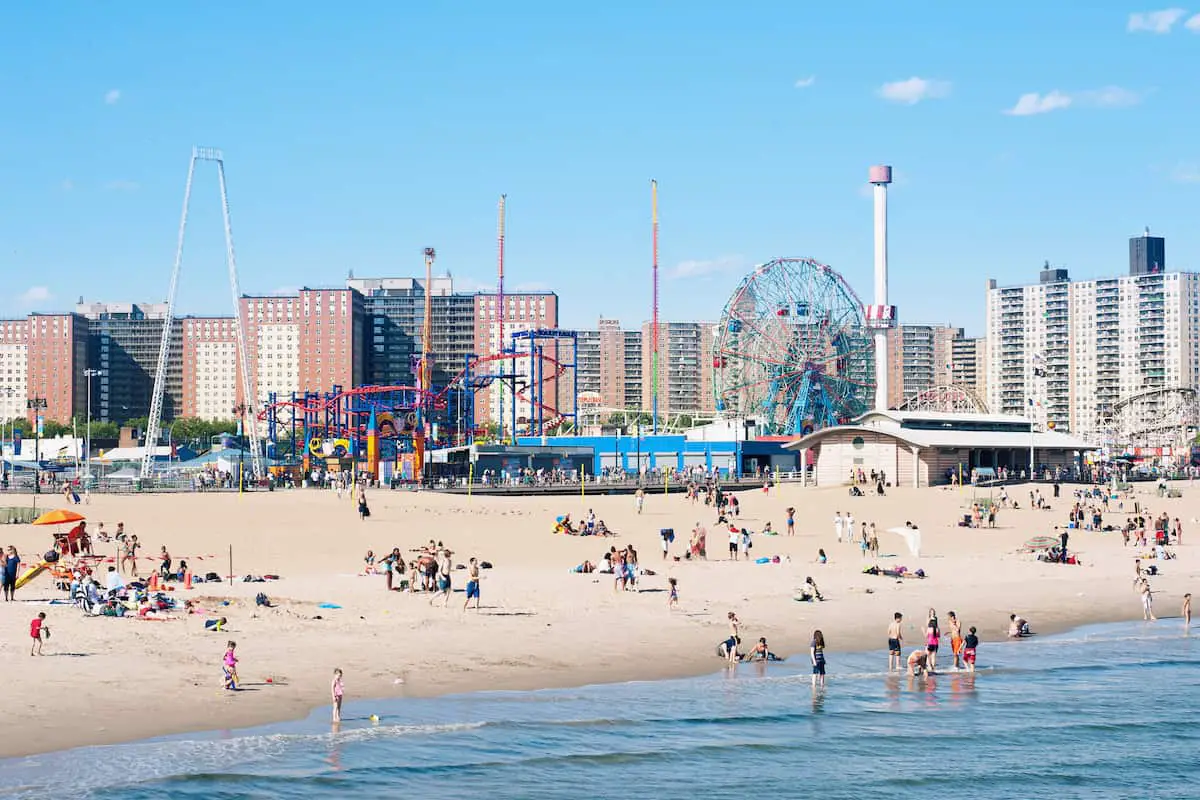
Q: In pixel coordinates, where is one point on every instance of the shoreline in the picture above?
(693, 668)
(542, 626)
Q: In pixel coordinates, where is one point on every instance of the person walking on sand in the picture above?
(791, 521)
(639, 499)
(472, 584)
(229, 666)
(673, 597)
(895, 641)
(38, 630)
(837, 526)
(444, 587)
(337, 690)
(816, 651)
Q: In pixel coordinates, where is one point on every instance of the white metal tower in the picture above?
(153, 428)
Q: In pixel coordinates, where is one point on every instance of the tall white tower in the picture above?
(881, 316)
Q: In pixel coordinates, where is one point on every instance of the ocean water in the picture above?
(1102, 712)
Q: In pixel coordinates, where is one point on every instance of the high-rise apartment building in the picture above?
(685, 353)
(602, 363)
(123, 343)
(212, 382)
(55, 360)
(395, 317)
(631, 344)
(918, 358)
(968, 365)
(14, 368)
(1066, 352)
(1147, 254)
(521, 312)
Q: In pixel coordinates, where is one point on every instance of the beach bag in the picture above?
(261, 599)
(212, 577)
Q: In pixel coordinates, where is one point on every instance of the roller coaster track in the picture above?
(314, 406)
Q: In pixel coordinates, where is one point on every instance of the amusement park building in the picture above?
(1072, 351)
(924, 448)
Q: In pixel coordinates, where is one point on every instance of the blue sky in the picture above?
(355, 139)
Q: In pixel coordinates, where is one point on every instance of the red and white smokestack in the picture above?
(880, 177)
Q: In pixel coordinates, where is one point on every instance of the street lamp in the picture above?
(37, 405)
(4, 470)
(89, 373)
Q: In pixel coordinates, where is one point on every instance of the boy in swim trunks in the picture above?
(38, 630)
(969, 644)
(956, 640)
(472, 584)
(895, 641)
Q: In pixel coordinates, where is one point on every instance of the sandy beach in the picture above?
(106, 680)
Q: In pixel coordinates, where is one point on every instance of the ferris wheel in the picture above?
(792, 349)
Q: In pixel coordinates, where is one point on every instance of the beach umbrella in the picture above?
(912, 537)
(58, 517)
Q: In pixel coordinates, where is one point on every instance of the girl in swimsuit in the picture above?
(816, 651)
(933, 635)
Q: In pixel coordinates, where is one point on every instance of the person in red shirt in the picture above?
(38, 630)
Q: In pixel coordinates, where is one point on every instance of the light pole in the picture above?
(89, 373)
(4, 470)
(37, 405)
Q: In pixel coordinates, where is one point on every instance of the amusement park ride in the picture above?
(795, 349)
(399, 424)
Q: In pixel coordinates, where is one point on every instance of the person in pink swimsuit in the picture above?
(337, 690)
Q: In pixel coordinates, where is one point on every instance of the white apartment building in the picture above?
(1067, 352)
(14, 368)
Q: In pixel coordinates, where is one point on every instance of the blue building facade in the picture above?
(651, 452)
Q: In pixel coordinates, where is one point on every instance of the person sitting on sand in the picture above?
(586, 568)
(369, 562)
(918, 661)
(216, 625)
(811, 585)
(1017, 627)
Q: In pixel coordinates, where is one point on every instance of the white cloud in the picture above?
(702, 268)
(914, 90)
(1154, 21)
(1034, 103)
(1193, 24)
(36, 296)
(1187, 172)
(804, 83)
(1108, 97)
(112, 96)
